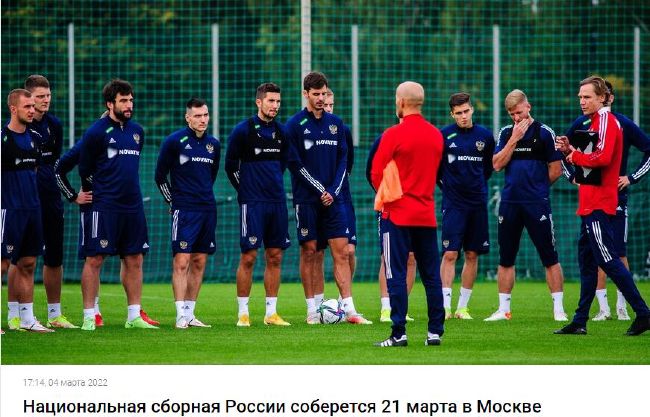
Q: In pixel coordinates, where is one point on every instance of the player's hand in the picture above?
(569, 157)
(562, 144)
(84, 197)
(520, 128)
(327, 199)
(623, 182)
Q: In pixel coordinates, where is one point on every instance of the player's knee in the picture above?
(410, 262)
(95, 262)
(27, 265)
(247, 259)
(273, 259)
(471, 256)
(450, 256)
(352, 250)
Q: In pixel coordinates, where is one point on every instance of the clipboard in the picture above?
(585, 141)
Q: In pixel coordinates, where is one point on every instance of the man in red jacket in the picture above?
(409, 223)
(597, 207)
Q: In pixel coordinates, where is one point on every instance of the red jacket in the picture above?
(416, 147)
(607, 157)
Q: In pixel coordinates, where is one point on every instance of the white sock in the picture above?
(97, 305)
(179, 309)
(348, 306)
(189, 309)
(446, 297)
(26, 314)
(53, 310)
(271, 303)
(385, 303)
(14, 310)
(318, 299)
(465, 294)
(311, 305)
(89, 313)
(601, 295)
(134, 311)
(504, 302)
(620, 300)
(243, 305)
(558, 304)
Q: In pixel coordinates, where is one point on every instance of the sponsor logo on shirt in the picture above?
(470, 158)
(453, 145)
(202, 159)
(306, 132)
(188, 146)
(327, 142)
(111, 140)
(129, 152)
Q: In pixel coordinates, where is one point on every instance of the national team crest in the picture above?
(103, 243)
(333, 129)
(445, 243)
(136, 138)
(500, 219)
(252, 240)
(10, 248)
(273, 135)
(209, 147)
(480, 145)
(183, 244)
(304, 232)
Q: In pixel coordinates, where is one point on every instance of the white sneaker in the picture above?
(602, 316)
(560, 316)
(181, 323)
(36, 327)
(621, 312)
(197, 323)
(499, 315)
(313, 318)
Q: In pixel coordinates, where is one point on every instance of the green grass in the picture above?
(526, 339)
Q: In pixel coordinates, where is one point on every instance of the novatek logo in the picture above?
(202, 159)
(129, 152)
(470, 158)
(327, 142)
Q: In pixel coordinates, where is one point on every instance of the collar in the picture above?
(261, 122)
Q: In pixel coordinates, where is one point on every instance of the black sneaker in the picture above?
(639, 325)
(432, 340)
(393, 342)
(571, 328)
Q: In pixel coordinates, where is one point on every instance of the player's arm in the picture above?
(640, 140)
(163, 167)
(341, 169)
(296, 166)
(234, 152)
(604, 152)
(488, 167)
(63, 165)
(553, 156)
(91, 148)
(382, 158)
(504, 150)
(371, 155)
(217, 158)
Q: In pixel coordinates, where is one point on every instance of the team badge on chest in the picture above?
(480, 145)
(333, 129)
(209, 147)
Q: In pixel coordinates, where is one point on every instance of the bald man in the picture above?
(408, 224)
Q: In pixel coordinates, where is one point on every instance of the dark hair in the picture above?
(12, 98)
(600, 87)
(609, 87)
(314, 80)
(196, 102)
(115, 87)
(264, 88)
(459, 99)
(35, 81)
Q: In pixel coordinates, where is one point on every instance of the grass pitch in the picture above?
(526, 339)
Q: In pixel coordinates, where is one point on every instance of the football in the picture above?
(330, 312)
